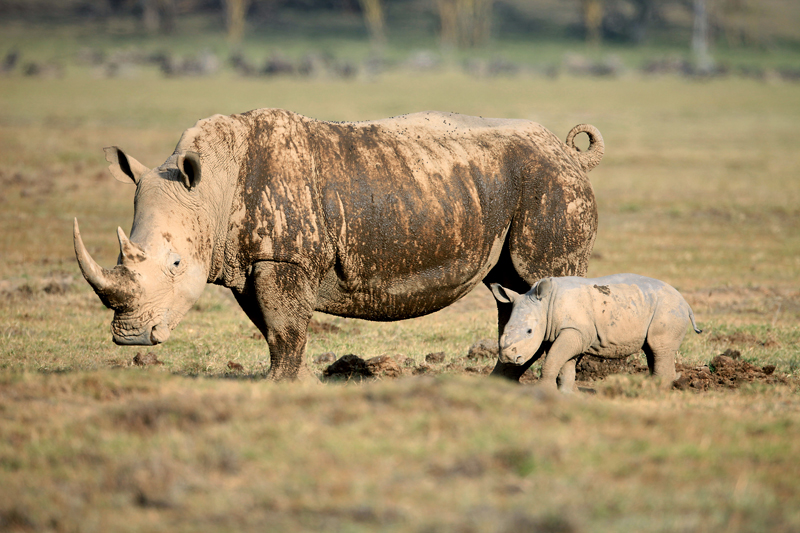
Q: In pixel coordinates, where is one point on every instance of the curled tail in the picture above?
(592, 156)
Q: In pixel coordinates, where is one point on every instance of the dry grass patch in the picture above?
(134, 450)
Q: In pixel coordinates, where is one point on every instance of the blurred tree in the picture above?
(158, 15)
(465, 23)
(646, 11)
(593, 21)
(700, 35)
(375, 20)
(235, 12)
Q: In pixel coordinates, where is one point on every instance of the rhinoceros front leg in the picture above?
(280, 304)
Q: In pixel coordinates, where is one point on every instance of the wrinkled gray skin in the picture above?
(382, 220)
(612, 317)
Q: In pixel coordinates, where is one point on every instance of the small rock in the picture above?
(147, 359)
(768, 369)
(733, 354)
(348, 366)
(484, 349)
(325, 359)
(435, 358)
(384, 365)
(421, 369)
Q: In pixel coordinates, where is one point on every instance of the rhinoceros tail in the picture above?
(592, 156)
(691, 317)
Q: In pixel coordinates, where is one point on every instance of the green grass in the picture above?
(698, 187)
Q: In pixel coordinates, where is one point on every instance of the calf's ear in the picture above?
(189, 166)
(123, 167)
(543, 288)
(503, 295)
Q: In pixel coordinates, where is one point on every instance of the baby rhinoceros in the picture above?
(610, 317)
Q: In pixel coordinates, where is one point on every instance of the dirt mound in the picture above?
(352, 367)
(591, 368)
(147, 359)
(484, 349)
(726, 371)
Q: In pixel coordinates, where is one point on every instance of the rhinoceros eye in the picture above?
(530, 331)
(174, 262)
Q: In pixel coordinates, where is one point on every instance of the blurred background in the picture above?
(351, 38)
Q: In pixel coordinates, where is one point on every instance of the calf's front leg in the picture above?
(567, 345)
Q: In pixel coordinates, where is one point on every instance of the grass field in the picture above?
(699, 187)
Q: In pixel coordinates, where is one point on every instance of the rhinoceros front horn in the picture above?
(116, 287)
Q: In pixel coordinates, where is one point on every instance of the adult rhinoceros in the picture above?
(382, 220)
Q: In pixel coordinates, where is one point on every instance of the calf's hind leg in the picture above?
(661, 361)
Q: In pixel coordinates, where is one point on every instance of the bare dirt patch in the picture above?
(725, 371)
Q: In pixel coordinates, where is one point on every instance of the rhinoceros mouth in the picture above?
(142, 339)
(125, 335)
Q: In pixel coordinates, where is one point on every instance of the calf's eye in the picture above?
(530, 331)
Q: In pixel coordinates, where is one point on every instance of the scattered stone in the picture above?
(404, 360)
(9, 62)
(242, 65)
(435, 358)
(278, 65)
(484, 349)
(421, 369)
(348, 367)
(384, 365)
(733, 354)
(325, 359)
(147, 359)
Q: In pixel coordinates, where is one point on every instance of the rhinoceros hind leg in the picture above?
(284, 300)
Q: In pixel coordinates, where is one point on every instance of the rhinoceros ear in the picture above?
(123, 167)
(503, 295)
(189, 166)
(543, 288)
